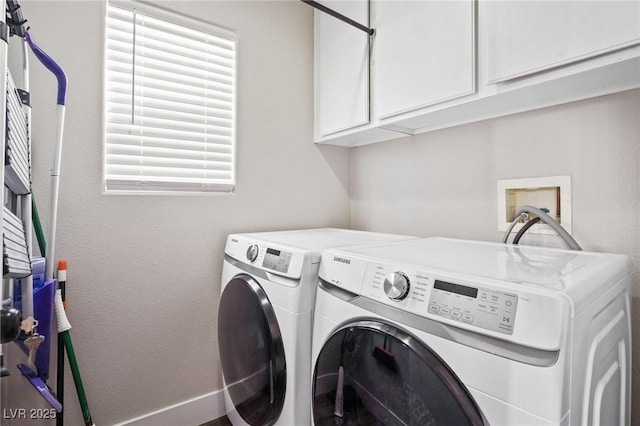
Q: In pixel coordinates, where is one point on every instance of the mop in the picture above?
(63, 323)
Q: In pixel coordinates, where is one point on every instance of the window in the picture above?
(169, 102)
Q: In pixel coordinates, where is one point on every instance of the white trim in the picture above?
(194, 411)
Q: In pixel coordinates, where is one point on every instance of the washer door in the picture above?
(369, 372)
(251, 351)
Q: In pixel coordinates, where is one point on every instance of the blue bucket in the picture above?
(43, 301)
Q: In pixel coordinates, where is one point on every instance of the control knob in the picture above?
(396, 285)
(252, 252)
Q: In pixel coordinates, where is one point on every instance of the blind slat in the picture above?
(203, 70)
(219, 144)
(126, 184)
(185, 87)
(223, 57)
(165, 132)
(212, 114)
(179, 35)
(156, 118)
(169, 105)
(167, 152)
(166, 95)
(166, 172)
(119, 104)
(181, 165)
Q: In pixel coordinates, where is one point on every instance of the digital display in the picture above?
(273, 252)
(456, 288)
(277, 260)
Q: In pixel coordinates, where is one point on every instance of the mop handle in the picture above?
(52, 66)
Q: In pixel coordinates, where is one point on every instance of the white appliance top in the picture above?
(284, 252)
(520, 293)
(316, 240)
(550, 268)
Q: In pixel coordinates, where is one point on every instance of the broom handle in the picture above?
(37, 227)
(77, 379)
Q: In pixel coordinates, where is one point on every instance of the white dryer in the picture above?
(269, 282)
(451, 332)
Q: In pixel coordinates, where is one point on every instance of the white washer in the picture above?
(441, 331)
(269, 283)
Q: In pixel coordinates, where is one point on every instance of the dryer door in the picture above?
(251, 351)
(369, 372)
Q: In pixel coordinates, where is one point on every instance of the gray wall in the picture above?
(444, 183)
(144, 271)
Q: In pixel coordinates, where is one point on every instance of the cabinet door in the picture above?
(424, 53)
(525, 37)
(342, 68)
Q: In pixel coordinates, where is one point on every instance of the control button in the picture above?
(396, 286)
(456, 315)
(252, 252)
(506, 320)
(467, 318)
(434, 308)
(508, 302)
(444, 311)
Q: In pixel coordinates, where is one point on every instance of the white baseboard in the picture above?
(194, 412)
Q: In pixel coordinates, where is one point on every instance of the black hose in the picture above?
(525, 228)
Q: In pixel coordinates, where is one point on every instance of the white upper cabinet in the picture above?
(437, 64)
(423, 54)
(341, 68)
(527, 37)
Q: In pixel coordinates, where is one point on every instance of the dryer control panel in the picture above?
(273, 258)
(491, 310)
(278, 260)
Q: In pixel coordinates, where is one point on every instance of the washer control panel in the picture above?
(488, 309)
(426, 293)
(278, 260)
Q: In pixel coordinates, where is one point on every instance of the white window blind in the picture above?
(169, 103)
